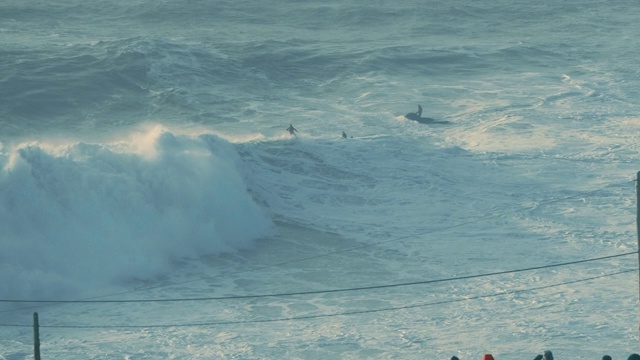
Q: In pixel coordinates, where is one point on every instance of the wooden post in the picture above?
(638, 229)
(36, 337)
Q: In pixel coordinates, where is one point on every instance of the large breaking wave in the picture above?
(83, 214)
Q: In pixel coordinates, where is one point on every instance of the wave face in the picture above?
(87, 215)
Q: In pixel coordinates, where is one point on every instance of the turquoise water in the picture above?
(143, 144)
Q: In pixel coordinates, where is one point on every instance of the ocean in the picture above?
(154, 206)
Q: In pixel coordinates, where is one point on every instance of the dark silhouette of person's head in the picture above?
(634, 357)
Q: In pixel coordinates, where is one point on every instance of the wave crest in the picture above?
(97, 213)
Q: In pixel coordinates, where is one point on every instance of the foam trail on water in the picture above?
(88, 215)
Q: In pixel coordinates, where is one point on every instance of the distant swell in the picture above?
(87, 215)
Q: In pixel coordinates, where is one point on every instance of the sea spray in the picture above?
(88, 215)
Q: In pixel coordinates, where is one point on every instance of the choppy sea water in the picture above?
(144, 156)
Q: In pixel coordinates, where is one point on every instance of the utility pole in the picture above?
(36, 337)
(638, 230)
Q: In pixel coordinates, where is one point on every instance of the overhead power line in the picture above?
(318, 316)
(326, 291)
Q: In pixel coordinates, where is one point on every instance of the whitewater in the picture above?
(153, 206)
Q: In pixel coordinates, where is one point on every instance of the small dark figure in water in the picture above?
(292, 130)
(344, 135)
(415, 115)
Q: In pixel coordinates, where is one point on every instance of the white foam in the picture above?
(84, 214)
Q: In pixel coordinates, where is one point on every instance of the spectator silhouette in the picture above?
(634, 357)
(606, 357)
(488, 357)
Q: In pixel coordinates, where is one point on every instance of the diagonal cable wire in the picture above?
(326, 291)
(318, 316)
